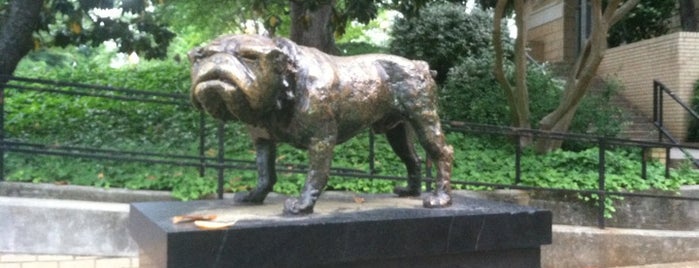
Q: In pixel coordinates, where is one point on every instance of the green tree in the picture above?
(649, 19)
(29, 24)
(19, 19)
(517, 94)
(604, 15)
(688, 16)
(584, 69)
(315, 23)
(441, 35)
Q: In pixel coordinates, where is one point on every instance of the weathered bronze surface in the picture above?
(289, 93)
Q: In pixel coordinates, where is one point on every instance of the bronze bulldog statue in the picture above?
(289, 93)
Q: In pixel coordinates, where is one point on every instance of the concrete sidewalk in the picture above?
(67, 261)
(82, 230)
(64, 261)
(694, 264)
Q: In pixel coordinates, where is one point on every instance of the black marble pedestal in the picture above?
(345, 231)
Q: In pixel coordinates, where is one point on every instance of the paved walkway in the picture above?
(693, 264)
(67, 261)
(64, 261)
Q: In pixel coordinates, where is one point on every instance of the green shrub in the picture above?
(650, 18)
(596, 116)
(356, 48)
(55, 118)
(440, 35)
(472, 94)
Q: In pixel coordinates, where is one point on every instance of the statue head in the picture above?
(240, 77)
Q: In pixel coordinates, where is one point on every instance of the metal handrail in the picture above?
(659, 90)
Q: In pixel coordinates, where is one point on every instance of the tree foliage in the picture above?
(441, 35)
(29, 24)
(649, 19)
(584, 69)
(133, 25)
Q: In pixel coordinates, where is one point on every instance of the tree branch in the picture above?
(16, 33)
(521, 94)
(497, 45)
(609, 9)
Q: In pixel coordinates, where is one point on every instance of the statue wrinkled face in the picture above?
(234, 77)
(298, 95)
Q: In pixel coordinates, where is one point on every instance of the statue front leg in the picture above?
(320, 155)
(266, 174)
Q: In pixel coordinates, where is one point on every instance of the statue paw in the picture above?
(293, 206)
(437, 200)
(406, 191)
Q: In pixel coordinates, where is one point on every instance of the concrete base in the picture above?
(50, 226)
(576, 246)
(379, 231)
(47, 226)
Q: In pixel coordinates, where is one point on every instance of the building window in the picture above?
(584, 18)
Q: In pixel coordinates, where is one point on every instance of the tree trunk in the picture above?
(312, 26)
(688, 18)
(583, 71)
(517, 95)
(16, 34)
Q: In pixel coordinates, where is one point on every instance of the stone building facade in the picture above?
(557, 30)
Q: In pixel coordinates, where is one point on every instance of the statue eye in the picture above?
(249, 56)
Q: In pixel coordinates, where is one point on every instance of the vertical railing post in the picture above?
(220, 159)
(202, 144)
(644, 163)
(668, 150)
(428, 174)
(3, 82)
(601, 192)
(372, 152)
(655, 101)
(660, 113)
(656, 90)
(518, 160)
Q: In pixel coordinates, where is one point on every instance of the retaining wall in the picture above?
(32, 225)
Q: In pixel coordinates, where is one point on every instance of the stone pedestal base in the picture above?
(344, 231)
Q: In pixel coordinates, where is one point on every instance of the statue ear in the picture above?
(283, 65)
(194, 54)
(277, 57)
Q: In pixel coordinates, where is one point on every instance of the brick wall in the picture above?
(546, 41)
(552, 31)
(672, 59)
(64, 261)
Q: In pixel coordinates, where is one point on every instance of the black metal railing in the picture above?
(200, 161)
(220, 163)
(659, 91)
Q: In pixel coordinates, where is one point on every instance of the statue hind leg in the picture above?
(399, 139)
(442, 156)
(431, 137)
